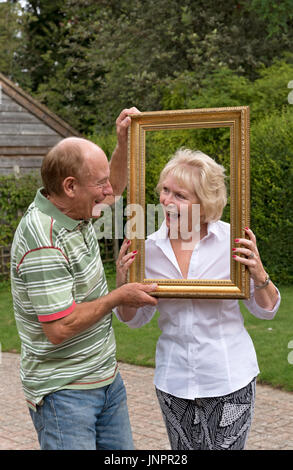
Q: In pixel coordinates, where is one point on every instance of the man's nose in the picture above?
(108, 190)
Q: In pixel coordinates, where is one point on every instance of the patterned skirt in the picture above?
(216, 423)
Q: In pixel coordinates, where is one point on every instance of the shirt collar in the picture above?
(162, 233)
(46, 206)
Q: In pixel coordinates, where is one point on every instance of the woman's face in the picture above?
(178, 204)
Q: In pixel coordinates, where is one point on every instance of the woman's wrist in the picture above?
(261, 281)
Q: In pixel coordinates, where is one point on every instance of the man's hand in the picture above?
(135, 295)
(122, 124)
(118, 163)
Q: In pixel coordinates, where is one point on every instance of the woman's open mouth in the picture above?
(172, 216)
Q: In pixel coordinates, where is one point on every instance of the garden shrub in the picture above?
(16, 194)
(271, 165)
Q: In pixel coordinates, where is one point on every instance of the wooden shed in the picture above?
(28, 129)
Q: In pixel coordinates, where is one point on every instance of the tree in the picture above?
(89, 59)
(9, 37)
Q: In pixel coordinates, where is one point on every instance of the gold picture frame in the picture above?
(237, 120)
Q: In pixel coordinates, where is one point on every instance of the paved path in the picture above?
(272, 427)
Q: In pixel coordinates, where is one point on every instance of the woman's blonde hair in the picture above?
(200, 174)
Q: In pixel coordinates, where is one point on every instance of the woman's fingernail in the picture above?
(246, 228)
(128, 242)
(132, 257)
(236, 240)
(234, 256)
(134, 252)
(234, 249)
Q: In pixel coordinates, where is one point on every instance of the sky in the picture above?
(22, 2)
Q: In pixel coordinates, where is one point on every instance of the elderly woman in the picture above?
(206, 364)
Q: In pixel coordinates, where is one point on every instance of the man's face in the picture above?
(93, 186)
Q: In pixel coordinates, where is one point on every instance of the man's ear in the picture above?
(69, 186)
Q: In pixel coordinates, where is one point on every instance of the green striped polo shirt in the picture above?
(56, 264)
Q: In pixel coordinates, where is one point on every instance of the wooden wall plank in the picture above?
(23, 151)
(20, 165)
(36, 108)
(23, 162)
(39, 140)
(18, 117)
(30, 129)
(10, 107)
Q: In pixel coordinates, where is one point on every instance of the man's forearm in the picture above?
(84, 315)
(118, 164)
(118, 169)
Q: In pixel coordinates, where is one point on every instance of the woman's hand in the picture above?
(252, 258)
(124, 262)
(265, 292)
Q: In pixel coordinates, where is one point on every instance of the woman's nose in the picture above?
(168, 199)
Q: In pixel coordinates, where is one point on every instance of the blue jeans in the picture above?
(85, 419)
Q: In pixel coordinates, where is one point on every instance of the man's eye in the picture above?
(101, 185)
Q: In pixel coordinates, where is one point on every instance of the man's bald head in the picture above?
(70, 157)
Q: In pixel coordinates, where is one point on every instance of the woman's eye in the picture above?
(181, 196)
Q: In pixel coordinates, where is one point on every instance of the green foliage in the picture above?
(88, 60)
(271, 192)
(67, 76)
(16, 194)
(278, 16)
(107, 141)
(9, 38)
(270, 90)
(42, 31)
(224, 87)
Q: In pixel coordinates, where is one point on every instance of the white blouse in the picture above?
(204, 349)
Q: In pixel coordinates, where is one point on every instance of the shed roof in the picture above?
(28, 129)
(32, 106)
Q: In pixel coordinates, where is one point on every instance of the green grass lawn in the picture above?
(137, 346)
(271, 340)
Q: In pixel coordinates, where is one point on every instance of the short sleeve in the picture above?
(48, 282)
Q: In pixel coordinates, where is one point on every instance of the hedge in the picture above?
(16, 194)
(272, 191)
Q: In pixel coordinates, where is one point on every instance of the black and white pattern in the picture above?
(216, 423)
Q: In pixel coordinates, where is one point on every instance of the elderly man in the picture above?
(63, 310)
